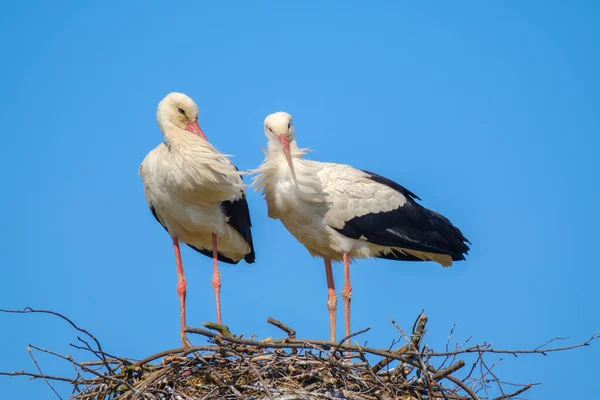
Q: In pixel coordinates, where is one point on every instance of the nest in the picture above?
(232, 367)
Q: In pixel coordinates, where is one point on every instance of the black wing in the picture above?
(410, 226)
(239, 218)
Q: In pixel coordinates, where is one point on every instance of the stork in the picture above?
(340, 213)
(196, 194)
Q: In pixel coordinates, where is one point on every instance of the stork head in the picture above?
(279, 129)
(179, 110)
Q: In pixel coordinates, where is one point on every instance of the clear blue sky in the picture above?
(489, 112)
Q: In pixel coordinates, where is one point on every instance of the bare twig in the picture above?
(345, 338)
(290, 332)
(261, 380)
(28, 310)
(38, 376)
(41, 373)
(386, 360)
(418, 331)
(515, 393)
(486, 349)
(450, 370)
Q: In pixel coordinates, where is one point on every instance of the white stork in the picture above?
(196, 194)
(341, 213)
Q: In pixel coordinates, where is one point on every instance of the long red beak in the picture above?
(286, 152)
(195, 128)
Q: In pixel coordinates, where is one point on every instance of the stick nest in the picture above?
(231, 367)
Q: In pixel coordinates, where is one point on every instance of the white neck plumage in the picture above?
(275, 151)
(276, 164)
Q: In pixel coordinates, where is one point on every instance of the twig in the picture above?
(463, 387)
(41, 373)
(28, 310)
(478, 349)
(180, 350)
(348, 337)
(419, 330)
(290, 332)
(261, 380)
(550, 341)
(38, 376)
(515, 393)
(450, 370)
(418, 333)
(422, 367)
(385, 361)
(489, 370)
(66, 358)
(222, 329)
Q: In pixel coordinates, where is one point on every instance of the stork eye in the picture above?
(289, 125)
(270, 130)
(181, 111)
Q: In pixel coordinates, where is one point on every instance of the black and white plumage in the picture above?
(196, 193)
(410, 227)
(341, 213)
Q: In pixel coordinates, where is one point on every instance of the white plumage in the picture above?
(185, 180)
(339, 213)
(195, 192)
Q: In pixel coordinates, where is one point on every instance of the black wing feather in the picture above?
(239, 219)
(410, 226)
(390, 183)
(208, 253)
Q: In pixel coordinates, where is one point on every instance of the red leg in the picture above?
(181, 289)
(216, 280)
(331, 299)
(347, 294)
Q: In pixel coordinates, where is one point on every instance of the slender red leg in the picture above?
(181, 289)
(216, 279)
(347, 294)
(331, 299)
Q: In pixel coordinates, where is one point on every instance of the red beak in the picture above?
(286, 152)
(195, 129)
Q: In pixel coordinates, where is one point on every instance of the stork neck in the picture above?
(276, 149)
(173, 134)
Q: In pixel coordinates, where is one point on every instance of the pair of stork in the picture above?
(337, 212)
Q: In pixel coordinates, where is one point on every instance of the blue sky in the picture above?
(488, 112)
